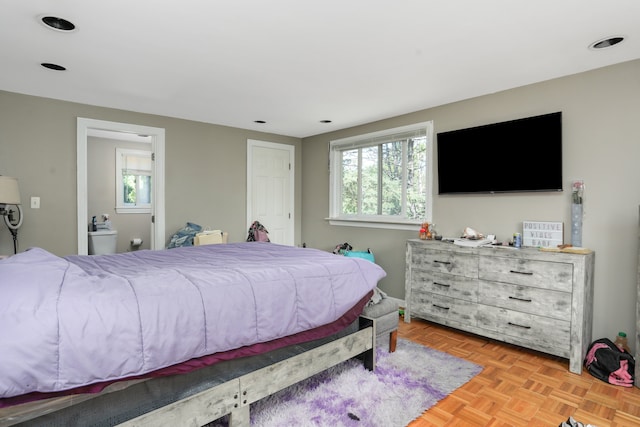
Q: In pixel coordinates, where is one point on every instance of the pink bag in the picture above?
(257, 233)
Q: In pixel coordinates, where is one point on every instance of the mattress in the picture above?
(81, 320)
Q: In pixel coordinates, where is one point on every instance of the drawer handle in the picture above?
(444, 285)
(526, 273)
(441, 262)
(441, 307)
(521, 299)
(519, 326)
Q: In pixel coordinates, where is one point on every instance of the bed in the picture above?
(190, 333)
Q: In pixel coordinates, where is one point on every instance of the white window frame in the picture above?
(121, 207)
(377, 221)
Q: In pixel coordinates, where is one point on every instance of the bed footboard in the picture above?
(268, 380)
(197, 398)
(235, 396)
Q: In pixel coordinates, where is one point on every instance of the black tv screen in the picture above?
(514, 156)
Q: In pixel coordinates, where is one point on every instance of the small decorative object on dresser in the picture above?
(536, 299)
(577, 199)
(542, 234)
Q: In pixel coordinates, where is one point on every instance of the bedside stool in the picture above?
(385, 319)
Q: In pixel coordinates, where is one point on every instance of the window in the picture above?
(133, 181)
(382, 178)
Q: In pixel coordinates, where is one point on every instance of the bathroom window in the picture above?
(133, 181)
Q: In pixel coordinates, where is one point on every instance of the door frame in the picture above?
(292, 195)
(157, 141)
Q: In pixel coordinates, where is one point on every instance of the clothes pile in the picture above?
(573, 423)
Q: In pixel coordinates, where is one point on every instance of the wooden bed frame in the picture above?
(225, 388)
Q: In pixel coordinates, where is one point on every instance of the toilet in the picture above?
(102, 242)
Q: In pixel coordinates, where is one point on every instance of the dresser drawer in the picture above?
(541, 333)
(449, 285)
(542, 274)
(526, 299)
(437, 307)
(445, 262)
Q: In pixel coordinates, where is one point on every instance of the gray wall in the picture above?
(205, 170)
(601, 145)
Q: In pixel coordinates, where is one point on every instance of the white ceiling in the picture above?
(293, 63)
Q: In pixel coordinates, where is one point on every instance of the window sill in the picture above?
(133, 210)
(375, 223)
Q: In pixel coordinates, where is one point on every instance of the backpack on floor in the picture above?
(608, 363)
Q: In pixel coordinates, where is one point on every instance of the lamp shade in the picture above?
(9, 193)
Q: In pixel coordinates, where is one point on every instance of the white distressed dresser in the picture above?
(535, 299)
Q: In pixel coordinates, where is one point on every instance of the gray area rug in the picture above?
(404, 385)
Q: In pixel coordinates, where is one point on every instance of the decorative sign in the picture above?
(541, 234)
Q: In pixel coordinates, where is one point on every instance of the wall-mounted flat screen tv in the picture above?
(515, 156)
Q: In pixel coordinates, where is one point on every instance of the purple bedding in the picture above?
(74, 321)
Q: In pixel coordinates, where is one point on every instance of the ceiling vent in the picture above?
(58, 24)
(606, 42)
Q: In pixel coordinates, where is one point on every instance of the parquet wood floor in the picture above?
(519, 387)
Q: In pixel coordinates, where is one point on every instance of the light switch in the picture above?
(35, 203)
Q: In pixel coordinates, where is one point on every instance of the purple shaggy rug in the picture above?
(404, 385)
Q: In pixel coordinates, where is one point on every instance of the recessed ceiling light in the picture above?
(606, 42)
(259, 121)
(325, 121)
(55, 67)
(58, 24)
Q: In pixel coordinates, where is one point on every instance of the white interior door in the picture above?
(270, 189)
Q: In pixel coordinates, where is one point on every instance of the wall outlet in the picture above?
(35, 203)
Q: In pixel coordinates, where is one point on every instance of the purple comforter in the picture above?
(74, 321)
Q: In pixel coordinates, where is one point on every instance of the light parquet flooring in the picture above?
(519, 387)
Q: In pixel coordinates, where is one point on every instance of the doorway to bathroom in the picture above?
(97, 144)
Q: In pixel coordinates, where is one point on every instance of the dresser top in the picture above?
(503, 251)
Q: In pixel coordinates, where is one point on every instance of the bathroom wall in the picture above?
(101, 164)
